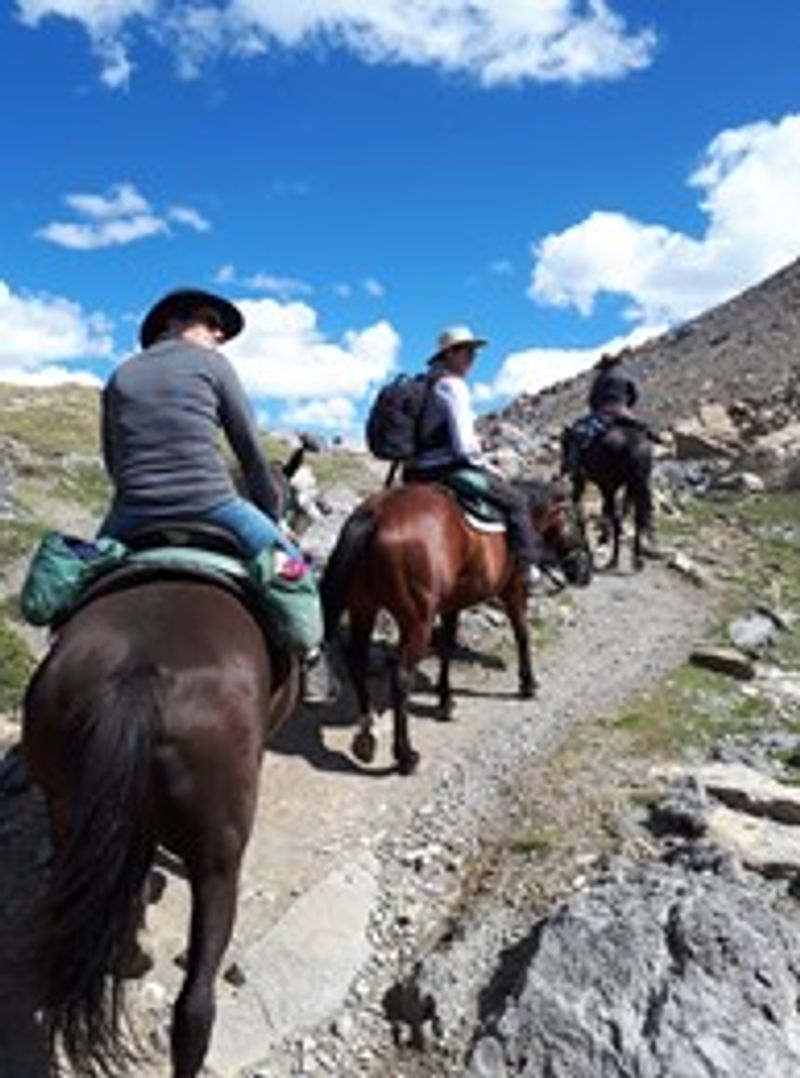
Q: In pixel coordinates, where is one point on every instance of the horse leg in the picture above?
(447, 640)
(516, 607)
(357, 654)
(213, 911)
(414, 641)
(642, 520)
(613, 521)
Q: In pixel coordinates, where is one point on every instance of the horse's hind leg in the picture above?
(447, 641)
(414, 643)
(361, 626)
(213, 911)
(613, 520)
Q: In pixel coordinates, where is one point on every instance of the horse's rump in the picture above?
(143, 725)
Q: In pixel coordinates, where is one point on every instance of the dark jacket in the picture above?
(613, 389)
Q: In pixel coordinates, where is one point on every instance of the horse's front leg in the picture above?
(448, 629)
(515, 602)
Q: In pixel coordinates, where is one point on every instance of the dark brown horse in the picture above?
(409, 550)
(144, 726)
(619, 462)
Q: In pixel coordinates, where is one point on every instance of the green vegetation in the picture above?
(533, 839)
(16, 665)
(689, 709)
(756, 540)
(85, 482)
(51, 422)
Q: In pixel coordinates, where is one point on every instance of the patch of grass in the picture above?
(85, 482)
(533, 839)
(16, 666)
(18, 538)
(691, 708)
(51, 422)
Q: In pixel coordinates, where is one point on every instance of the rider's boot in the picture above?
(319, 684)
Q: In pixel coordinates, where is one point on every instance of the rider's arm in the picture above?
(240, 429)
(107, 442)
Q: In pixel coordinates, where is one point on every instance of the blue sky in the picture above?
(564, 177)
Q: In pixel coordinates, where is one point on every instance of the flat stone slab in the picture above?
(745, 789)
(771, 848)
(298, 974)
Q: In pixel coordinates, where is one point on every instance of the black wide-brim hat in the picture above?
(184, 302)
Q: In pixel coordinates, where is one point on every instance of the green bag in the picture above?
(60, 569)
(291, 604)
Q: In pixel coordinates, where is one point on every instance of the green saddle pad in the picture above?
(63, 567)
(469, 487)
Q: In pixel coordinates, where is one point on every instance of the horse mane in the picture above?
(538, 493)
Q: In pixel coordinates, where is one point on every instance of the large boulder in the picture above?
(657, 969)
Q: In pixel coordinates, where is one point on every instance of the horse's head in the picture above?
(558, 523)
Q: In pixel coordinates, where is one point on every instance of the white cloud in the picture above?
(329, 413)
(534, 369)
(119, 217)
(283, 288)
(750, 194)
(104, 21)
(374, 288)
(492, 41)
(282, 353)
(39, 333)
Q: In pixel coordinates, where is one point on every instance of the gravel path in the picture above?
(387, 858)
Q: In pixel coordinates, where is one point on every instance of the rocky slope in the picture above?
(743, 350)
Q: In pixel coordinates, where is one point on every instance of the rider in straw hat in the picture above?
(450, 442)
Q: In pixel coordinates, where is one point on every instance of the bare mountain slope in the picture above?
(742, 349)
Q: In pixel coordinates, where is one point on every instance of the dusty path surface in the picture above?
(351, 872)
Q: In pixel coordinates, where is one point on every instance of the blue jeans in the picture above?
(254, 529)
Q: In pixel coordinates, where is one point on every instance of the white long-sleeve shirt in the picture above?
(451, 401)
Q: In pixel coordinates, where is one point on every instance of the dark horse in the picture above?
(409, 550)
(144, 725)
(619, 461)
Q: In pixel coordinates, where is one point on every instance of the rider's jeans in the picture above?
(254, 529)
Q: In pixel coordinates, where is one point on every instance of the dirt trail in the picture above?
(319, 810)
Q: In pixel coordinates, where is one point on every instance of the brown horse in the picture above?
(144, 725)
(410, 550)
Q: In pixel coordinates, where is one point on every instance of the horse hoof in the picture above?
(444, 714)
(364, 747)
(407, 763)
(527, 692)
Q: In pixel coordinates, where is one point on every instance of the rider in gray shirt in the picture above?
(162, 413)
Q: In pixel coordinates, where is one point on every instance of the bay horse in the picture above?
(619, 462)
(410, 550)
(144, 726)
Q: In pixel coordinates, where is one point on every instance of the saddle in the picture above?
(286, 607)
(468, 487)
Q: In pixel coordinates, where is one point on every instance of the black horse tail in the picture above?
(342, 563)
(93, 900)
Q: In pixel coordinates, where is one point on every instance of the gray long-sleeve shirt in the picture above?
(162, 411)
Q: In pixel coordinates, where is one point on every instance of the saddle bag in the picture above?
(61, 567)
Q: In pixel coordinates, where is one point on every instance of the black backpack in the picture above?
(394, 423)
